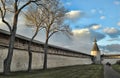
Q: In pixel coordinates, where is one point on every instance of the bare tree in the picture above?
(14, 7)
(54, 14)
(34, 18)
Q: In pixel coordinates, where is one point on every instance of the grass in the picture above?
(81, 71)
(116, 67)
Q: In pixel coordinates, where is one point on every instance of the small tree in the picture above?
(34, 18)
(118, 62)
(54, 14)
(12, 7)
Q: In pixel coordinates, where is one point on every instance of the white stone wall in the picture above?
(37, 61)
(57, 61)
(3, 55)
(112, 61)
(20, 60)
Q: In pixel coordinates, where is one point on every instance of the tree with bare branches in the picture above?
(34, 18)
(54, 13)
(12, 7)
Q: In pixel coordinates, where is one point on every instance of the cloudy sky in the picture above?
(87, 19)
(96, 18)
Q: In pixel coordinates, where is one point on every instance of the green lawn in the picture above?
(116, 67)
(81, 71)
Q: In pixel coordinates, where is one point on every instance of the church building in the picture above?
(95, 52)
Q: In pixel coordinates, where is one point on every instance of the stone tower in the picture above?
(95, 52)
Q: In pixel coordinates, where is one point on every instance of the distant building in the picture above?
(96, 53)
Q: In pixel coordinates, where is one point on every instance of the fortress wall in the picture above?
(20, 60)
(3, 55)
(58, 61)
(57, 56)
(110, 60)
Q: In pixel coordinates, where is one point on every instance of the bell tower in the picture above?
(95, 52)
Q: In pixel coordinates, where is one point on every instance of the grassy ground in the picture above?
(82, 71)
(116, 67)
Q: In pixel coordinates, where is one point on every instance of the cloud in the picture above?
(68, 3)
(102, 17)
(88, 33)
(75, 14)
(114, 39)
(95, 26)
(61, 39)
(97, 35)
(93, 11)
(21, 22)
(81, 38)
(118, 23)
(100, 11)
(97, 11)
(112, 48)
(112, 32)
(81, 31)
(116, 2)
(84, 37)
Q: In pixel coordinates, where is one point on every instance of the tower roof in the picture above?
(95, 46)
(95, 40)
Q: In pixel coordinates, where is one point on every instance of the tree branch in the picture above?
(3, 13)
(52, 34)
(30, 1)
(10, 29)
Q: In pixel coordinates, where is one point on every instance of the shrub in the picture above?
(118, 62)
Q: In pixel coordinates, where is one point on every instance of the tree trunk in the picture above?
(45, 55)
(30, 56)
(30, 61)
(7, 61)
(30, 52)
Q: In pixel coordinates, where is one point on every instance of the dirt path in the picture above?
(110, 73)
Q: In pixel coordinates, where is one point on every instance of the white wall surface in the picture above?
(20, 60)
(112, 61)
